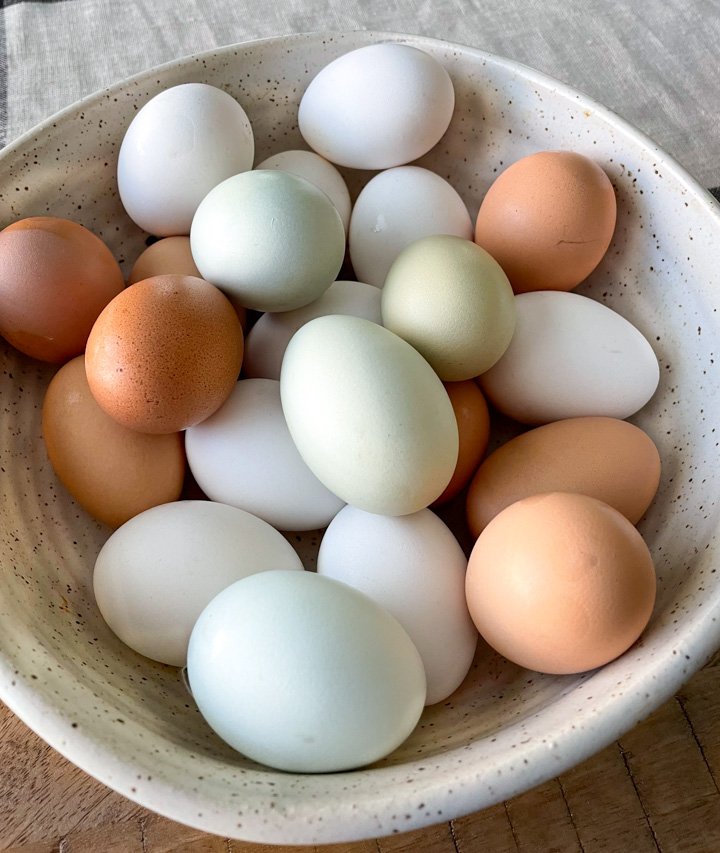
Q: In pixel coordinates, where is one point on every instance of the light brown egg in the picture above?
(473, 420)
(164, 354)
(114, 473)
(171, 255)
(560, 583)
(606, 458)
(548, 219)
(55, 279)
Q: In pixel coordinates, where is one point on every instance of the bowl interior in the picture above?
(130, 722)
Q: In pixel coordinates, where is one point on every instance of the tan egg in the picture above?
(548, 219)
(55, 279)
(560, 583)
(165, 354)
(606, 458)
(114, 473)
(473, 420)
(170, 255)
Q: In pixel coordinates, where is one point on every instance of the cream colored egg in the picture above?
(368, 414)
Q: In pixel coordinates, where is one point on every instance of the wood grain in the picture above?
(657, 790)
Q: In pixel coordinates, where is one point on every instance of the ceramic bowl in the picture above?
(130, 722)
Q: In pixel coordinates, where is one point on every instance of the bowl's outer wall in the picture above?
(129, 721)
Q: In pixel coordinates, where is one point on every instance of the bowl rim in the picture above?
(700, 641)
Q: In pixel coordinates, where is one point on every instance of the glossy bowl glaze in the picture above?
(130, 722)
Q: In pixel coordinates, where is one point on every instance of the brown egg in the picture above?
(171, 255)
(548, 219)
(55, 279)
(473, 420)
(560, 583)
(114, 473)
(164, 354)
(606, 458)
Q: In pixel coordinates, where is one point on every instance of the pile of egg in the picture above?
(301, 402)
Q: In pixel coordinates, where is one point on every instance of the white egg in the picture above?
(156, 573)
(267, 341)
(304, 674)
(571, 356)
(368, 414)
(317, 170)
(397, 207)
(378, 106)
(181, 144)
(270, 240)
(414, 567)
(243, 455)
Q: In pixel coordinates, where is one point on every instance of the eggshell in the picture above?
(548, 219)
(413, 567)
(304, 674)
(55, 279)
(451, 300)
(397, 207)
(268, 339)
(114, 473)
(560, 583)
(320, 172)
(164, 354)
(571, 356)
(368, 414)
(243, 455)
(155, 574)
(473, 420)
(270, 240)
(182, 143)
(608, 459)
(376, 107)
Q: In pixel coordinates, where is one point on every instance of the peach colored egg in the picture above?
(609, 459)
(548, 219)
(164, 354)
(114, 473)
(473, 419)
(560, 583)
(55, 279)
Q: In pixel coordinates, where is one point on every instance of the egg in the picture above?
(378, 106)
(56, 277)
(571, 356)
(397, 207)
(414, 567)
(164, 354)
(317, 170)
(114, 473)
(270, 240)
(304, 674)
(548, 219)
(368, 414)
(169, 255)
(243, 455)
(560, 583)
(180, 144)
(606, 458)
(268, 339)
(473, 420)
(450, 300)
(155, 574)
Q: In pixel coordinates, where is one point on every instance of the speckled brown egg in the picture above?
(114, 473)
(560, 583)
(55, 279)
(548, 219)
(164, 354)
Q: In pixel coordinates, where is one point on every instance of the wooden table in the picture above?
(656, 789)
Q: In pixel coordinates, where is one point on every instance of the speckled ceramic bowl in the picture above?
(130, 722)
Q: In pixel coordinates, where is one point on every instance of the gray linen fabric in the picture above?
(656, 63)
